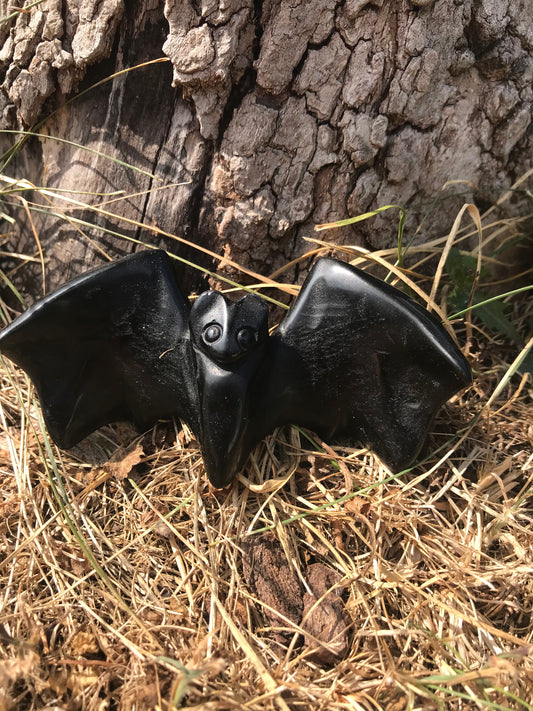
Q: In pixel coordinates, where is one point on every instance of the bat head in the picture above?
(228, 331)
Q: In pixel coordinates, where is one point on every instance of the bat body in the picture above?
(354, 359)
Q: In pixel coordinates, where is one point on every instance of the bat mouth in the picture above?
(228, 358)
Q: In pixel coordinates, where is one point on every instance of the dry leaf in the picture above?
(83, 643)
(357, 505)
(123, 460)
(266, 487)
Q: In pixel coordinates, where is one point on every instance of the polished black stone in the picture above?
(354, 359)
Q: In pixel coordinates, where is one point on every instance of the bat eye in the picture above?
(212, 333)
(246, 337)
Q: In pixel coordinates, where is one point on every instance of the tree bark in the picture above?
(272, 114)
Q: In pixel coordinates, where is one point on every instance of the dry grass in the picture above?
(122, 582)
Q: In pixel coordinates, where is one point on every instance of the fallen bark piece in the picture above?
(325, 620)
(273, 582)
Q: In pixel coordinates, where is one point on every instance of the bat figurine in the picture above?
(354, 359)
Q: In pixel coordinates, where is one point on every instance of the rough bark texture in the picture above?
(284, 113)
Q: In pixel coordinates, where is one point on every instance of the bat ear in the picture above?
(250, 312)
(209, 309)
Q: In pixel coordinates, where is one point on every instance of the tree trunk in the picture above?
(271, 116)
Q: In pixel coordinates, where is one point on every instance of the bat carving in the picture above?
(354, 359)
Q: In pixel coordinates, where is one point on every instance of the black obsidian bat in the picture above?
(353, 359)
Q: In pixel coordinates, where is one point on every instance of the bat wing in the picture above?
(110, 345)
(356, 359)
